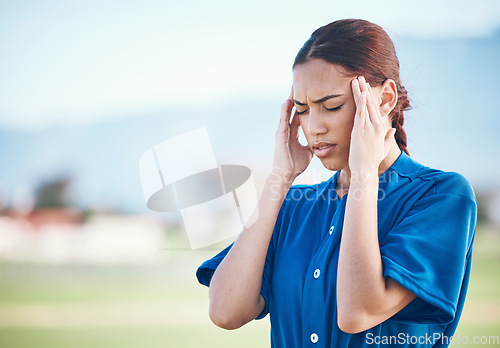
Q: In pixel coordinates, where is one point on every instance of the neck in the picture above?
(344, 179)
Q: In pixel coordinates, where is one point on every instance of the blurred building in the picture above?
(59, 236)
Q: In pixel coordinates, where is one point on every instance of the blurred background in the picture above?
(86, 87)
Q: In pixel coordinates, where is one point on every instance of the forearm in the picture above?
(360, 268)
(235, 286)
(364, 299)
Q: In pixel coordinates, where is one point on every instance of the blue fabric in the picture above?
(426, 224)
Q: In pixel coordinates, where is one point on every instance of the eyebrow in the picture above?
(321, 100)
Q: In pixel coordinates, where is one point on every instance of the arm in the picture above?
(364, 297)
(235, 287)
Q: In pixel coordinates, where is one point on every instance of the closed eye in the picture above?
(328, 109)
(334, 109)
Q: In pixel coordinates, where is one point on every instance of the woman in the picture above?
(380, 253)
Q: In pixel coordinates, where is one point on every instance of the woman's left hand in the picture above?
(370, 137)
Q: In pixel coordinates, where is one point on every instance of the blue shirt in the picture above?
(426, 227)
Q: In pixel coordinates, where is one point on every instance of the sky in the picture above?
(81, 62)
(87, 86)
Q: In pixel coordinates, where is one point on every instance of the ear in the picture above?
(388, 97)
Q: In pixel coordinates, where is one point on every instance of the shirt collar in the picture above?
(405, 165)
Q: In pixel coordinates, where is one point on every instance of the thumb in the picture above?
(390, 134)
(388, 138)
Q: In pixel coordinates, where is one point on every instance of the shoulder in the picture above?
(446, 183)
(431, 203)
(436, 181)
(451, 183)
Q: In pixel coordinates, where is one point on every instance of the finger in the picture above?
(286, 109)
(373, 111)
(363, 88)
(283, 130)
(356, 91)
(373, 114)
(375, 103)
(291, 94)
(362, 83)
(294, 126)
(388, 139)
(360, 116)
(390, 134)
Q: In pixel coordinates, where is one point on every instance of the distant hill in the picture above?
(454, 125)
(102, 159)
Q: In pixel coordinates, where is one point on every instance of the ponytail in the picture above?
(403, 104)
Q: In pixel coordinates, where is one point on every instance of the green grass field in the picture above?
(163, 306)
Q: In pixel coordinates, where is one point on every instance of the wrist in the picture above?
(278, 185)
(364, 185)
(364, 177)
(281, 177)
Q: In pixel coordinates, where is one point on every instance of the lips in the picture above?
(323, 149)
(320, 145)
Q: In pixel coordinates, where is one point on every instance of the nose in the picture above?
(315, 124)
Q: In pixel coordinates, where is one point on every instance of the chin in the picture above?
(333, 164)
(329, 164)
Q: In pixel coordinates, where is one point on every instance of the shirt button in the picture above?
(314, 337)
(317, 272)
(331, 229)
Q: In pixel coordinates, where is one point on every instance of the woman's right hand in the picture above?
(235, 288)
(290, 157)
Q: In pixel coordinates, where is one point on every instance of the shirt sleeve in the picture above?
(207, 269)
(428, 252)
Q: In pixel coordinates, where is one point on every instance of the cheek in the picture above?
(345, 120)
(303, 124)
(303, 128)
(349, 118)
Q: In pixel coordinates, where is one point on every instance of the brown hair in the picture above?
(361, 48)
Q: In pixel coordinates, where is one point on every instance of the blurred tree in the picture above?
(53, 194)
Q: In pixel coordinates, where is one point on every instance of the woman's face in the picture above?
(325, 105)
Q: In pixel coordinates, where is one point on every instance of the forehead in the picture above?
(317, 77)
